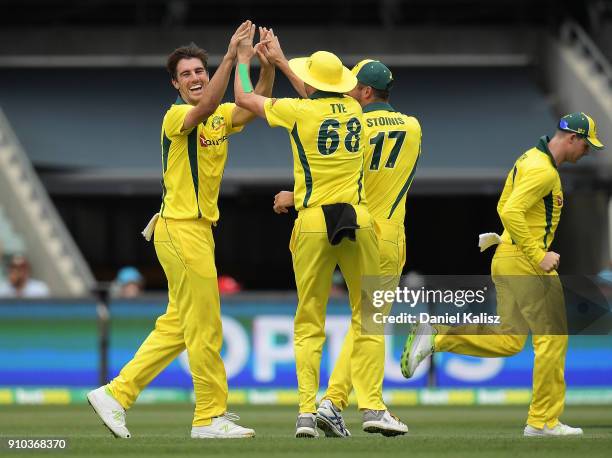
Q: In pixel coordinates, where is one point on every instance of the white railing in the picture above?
(579, 78)
(52, 252)
(572, 34)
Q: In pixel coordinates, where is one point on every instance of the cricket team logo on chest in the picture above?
(216, 123)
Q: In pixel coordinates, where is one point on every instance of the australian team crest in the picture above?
(217, 122)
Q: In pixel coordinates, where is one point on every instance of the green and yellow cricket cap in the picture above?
(373, 73)
(324, 71)
(583, 125)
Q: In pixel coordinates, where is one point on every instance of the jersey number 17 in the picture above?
(379, 140)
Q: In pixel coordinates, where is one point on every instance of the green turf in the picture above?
(163, 430)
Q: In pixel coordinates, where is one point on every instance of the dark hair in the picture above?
(378, 93)
(381, 94)
(569, 132)
(191, 51)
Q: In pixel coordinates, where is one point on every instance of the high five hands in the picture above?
(245, 48)
(242, 33)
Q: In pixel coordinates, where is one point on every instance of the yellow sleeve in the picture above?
(174, 119)
(281, 112)
(416, 130)
(226, 111)
(420, 134)
(529, 188)
(505, 193)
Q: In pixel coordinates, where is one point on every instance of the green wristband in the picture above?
(245, 80)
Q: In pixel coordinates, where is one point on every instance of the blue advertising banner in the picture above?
(56, 344)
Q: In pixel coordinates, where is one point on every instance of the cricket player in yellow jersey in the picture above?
(530, 208)
(333, 225)
(194, 139)
(392, 148)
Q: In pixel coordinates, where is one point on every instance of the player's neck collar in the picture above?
(180, 101)
(375, 106)
(324, 95)
(543, 146)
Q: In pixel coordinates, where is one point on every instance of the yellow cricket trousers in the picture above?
(185, 249)
(527, 299)
(314, 261)
(392, 250)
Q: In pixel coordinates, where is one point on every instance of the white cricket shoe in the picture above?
(381, 421)
(306, 426)
(329, 419)
(558, 430)
(109, 410)
(419, 345)
(222, 427)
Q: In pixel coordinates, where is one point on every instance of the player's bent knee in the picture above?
(514, 344)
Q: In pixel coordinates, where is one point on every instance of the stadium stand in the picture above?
(120, 132)
(485, 79)
(10, 240)
(32, 223)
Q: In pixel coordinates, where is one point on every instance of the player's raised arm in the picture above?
(274, 53)
(240, 116)
(243, 89)
(192, 80)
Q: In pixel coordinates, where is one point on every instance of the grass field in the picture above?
(163, 430)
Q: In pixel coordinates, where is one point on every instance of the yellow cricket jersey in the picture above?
(530, 204)
(326, 139)
(193, 162)
(392, 149)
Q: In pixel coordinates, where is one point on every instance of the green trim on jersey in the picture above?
(164, 191)
(324, 95)
(376, 106)
(166, 142)
(165, 152)
(405, 188)
(360, 181)
(543, 146)
(192, 151)
(548, 205)
(304, 162)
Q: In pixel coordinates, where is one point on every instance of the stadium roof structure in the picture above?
(87, 103)
(87, 126)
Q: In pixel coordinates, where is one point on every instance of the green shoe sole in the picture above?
(406, 353)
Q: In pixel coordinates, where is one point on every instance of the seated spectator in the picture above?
(19, 284)
(338, 287)
(2, 279)
(128, 284)
(228, 285)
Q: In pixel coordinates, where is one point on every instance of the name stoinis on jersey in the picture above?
(392, 148)
(193, 161)
(385, 121)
